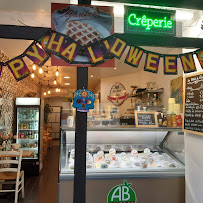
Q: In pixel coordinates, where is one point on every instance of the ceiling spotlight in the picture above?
(67, 77)
(54, 82)
(34, 67)
(92, 76)
(32, 75)
(67, 83)
(57, 72)
(45, 93)
(57, 89)
(40, 70)
(115, 68)
(49, 92)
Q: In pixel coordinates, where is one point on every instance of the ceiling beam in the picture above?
(34, 33)
(190, 4)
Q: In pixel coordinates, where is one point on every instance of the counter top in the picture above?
(125, 128)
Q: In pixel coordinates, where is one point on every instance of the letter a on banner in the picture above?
(18, 68)
(118, 47)
(188, 63)
(170, 65)
(152, 62)
(134, 56)
(36, 54)
(199, 54)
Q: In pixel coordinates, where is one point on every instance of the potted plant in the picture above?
(47, 111)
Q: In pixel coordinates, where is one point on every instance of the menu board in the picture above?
(145, 119)
(193, 103)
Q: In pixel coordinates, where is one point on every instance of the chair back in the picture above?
(7, 159)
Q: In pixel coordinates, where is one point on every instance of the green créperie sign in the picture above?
(122, 194)
(149, 21)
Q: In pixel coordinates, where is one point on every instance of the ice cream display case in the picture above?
(152, 159)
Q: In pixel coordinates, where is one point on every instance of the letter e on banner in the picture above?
(152, 62)
(170, 65)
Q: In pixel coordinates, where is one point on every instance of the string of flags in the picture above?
(67, 49)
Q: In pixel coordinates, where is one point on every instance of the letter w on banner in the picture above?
(134, 56)
(36, 54)
(63, 46)
(18, 68)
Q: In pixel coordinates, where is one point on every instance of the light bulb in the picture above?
(49, 92)
(34, 67)
(32, 75)
(54, 82)
(59, 90)
(45, 93)
(56, 89)
(57, 73)
(40, 71)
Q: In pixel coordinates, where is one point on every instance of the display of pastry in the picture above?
(172, 165)
(161, 158)
(129, 164)
(88, 156)
(147, 151)
(165, 164)
(104, 165)
(143, 163)
(99, 156)
(150, 160)
(107, 156)
(123, 155)
(108, 161)
(117, 164)
(112, 151)
(114, 157)
(134, 152)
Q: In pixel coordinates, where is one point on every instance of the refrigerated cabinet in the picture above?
(156, 171)
(28, 132)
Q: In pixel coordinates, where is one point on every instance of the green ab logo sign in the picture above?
(122, 193)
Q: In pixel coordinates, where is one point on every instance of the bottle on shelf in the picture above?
(148, 100)
(179, 121)
(160, 120)
(164, 119)
(169, 120)
(154, 100)
(174, 121)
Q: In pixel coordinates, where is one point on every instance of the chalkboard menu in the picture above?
(193, 104)
(145, 119)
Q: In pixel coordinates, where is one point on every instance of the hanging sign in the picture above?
(85, 25)
(122, 193)
(83, 100)
(117, 94)
(149, 21)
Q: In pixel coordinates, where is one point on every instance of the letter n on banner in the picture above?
(152, 62)
(170, 65)
(18, 68)
(134, 56)
(199, 54)
(118, 47)
(95, 54)
(188, 63)
(36, 54)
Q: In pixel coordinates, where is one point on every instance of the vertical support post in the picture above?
(80, 143)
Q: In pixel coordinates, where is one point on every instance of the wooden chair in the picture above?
(12, 175)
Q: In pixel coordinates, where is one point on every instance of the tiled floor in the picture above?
(42, 188)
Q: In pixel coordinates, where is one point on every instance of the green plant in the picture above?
(47, 111)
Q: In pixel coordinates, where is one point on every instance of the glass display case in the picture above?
(142, 155)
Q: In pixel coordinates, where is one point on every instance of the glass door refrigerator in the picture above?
(28, 132)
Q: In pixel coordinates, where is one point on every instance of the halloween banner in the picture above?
(18, 68)
(170, 65)
(66, 48)
(95, 53)
(134, 56)
(188, 63)
(152, 62)
(199, 55)
(36, 54)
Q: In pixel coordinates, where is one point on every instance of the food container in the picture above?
(15, 146)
